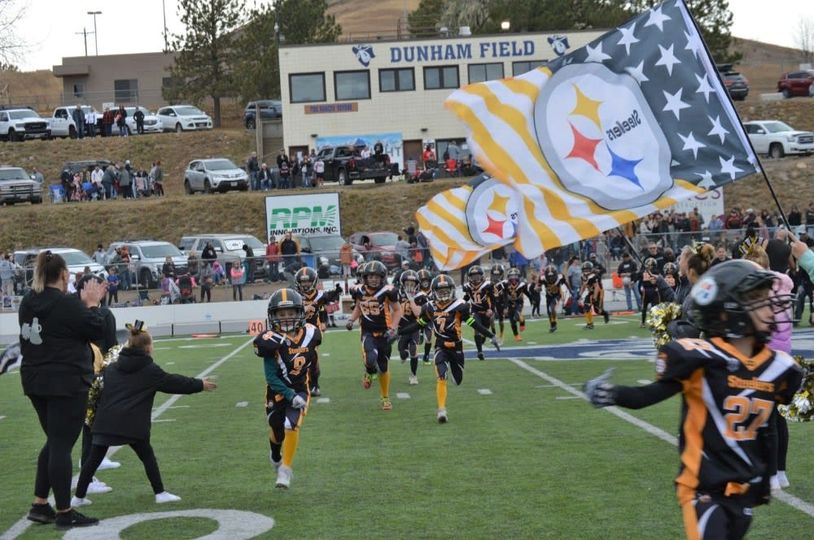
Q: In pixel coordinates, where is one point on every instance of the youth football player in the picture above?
(553, 282)
(478, 292)
(408, 343)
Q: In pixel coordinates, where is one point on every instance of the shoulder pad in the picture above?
(678, 359)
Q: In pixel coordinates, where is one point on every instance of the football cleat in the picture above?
(315, 391)
(480, 356)
(284, 475)
(367, 380)
(607, 317)
(166, 497)
(442, 416)
(552, 329)
(589, 326)
(387, 405)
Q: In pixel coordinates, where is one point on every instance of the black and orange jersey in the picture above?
(514, 292)
(422, 297)
(407, 314)
(727, 401)
(315, 301)
(499, 294)
(591, 283)
(293, 355)
(375, 307)
(446, 322)
(553, 287)
(480, 297)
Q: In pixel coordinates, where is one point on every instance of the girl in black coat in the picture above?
(123, 412)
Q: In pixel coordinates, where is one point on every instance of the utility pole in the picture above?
(95, 35)
(84, 33)
(164, 12)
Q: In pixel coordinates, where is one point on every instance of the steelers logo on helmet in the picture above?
(491, 211)
(550, 274)
(424, 279)
(497, 272)
(587, 267)
(443, 287)
(306, 279)
(705, 291)
(513, 275)
(600, 137)
(286, 311)
(475, 275)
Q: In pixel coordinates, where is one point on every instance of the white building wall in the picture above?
(417, 114)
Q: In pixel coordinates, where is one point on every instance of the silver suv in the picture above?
(147, 258)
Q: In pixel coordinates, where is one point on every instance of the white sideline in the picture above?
(23, 524)
(783, 496)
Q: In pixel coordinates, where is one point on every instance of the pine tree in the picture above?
(425, 20)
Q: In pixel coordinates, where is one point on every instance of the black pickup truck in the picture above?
(344, 165)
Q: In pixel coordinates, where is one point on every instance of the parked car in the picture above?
(229, 248)
(208, 175)
(16, 186)
(777, 138)
(325, 249)
(183, 118)
(151, 123)
(62, 124)
(76, 261)
(269, 109)
(796, 83)
(383, 245)
(20, 123)
(147, 258)
(736, 84)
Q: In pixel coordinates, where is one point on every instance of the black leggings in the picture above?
(97, 453)
(782, 442)
(61, 419)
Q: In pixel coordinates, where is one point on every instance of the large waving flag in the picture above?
(631, 123)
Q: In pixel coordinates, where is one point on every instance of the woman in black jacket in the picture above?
(124, 409)
(56, 372)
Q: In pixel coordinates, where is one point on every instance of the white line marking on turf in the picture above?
(241, 404)
(205, 346)
(179, 407)
(644, 381)
(169, 363)
(164, 420)
(325, 354)
(403, 395)
(22, 525)
(323, 400)
(1, 417)
(576, 384)
(484, 392)
(567, 397)
(787, 498)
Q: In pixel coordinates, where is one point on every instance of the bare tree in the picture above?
(804, 37)
(11, 45)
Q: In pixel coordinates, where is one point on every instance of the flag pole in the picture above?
(631, 247)
(751, 146)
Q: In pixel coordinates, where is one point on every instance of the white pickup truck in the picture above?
(777, 138)
(62, 124)
(20, 123)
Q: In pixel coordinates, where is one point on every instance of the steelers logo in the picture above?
(600, 137)
(491, 211)
(704, 292)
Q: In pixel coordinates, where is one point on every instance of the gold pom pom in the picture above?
(801, 407)
(658, 317)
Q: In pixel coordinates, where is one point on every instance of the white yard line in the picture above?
(23, 524)
(791, 500)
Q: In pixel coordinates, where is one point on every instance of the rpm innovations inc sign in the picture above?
(302, 215)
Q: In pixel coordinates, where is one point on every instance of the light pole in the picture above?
(95, 35)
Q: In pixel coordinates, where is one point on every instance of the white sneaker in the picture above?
(96, 487)
(76, 502)
(442, 416)
(275, 464)
(784, 481)
(284, 475)
(165, 497)
(107, 464)
(413, 380)
(774, 482)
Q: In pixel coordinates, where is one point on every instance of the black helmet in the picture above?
(513, 274)
(443, 286)
(550, 274)
(475, 275)
(497, 272)
(725, 289)
(375, 268)
(306, 279)
(650, 265)
(670, 269)
(587, 267)
(285, 299)
(409, 281)
(425, 279)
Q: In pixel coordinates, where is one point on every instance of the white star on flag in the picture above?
(717, 128)
(667, 59)
(691, 144)
(596, 54)
(628, 38)
(657, 18)
(674, 103)
(706, 180)
(728, 167)
(704, 87)
(692, 44)
(638, 73)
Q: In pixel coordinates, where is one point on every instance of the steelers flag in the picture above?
(629, 124)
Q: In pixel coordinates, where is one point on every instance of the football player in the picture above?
(423, 296)
(478, 292)
(377, 305)
(445, 315)
(514, 288)
(314, 300)
(496, 275)
(594, 300)
(654, 288)
(408, 343)
(288, 348)
(730, 384)
(670, 272)
(553, 282)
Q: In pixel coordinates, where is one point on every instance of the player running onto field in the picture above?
(478, 292)
(288, 349)
(423, 296)
(496, 275)
(553, 282)
(408, 343)
(730, 384)
(514, 289)
(594, 299)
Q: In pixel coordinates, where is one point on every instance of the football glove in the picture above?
(599, 391)
(298, 402)
(495, 342)
(349, 325)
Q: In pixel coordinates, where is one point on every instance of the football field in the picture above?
(523, 454)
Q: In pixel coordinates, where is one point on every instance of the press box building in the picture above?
(393, 91)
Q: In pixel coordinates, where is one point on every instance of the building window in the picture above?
(518, 68)
(485, 72)
(352, 85)
(306, 87)
(79, 90)
(440, 77)
(125, 90)
(396, 80)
